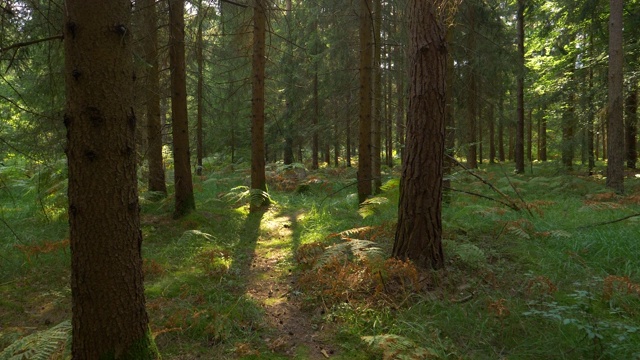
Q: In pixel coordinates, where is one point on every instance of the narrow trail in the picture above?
(271, 283)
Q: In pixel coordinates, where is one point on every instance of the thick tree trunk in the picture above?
(419, 231)
(632, 128)
(185, 202)
(364, 144)
(156, 179)
(109, 317)
(615, 152)
(519, 145)
(258, 176)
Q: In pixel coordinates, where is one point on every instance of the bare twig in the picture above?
(512, 205)
(32, 42)
(235, 3)
(509, 205)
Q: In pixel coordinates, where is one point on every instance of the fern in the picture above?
(371, 206)
(244, 194)
(42, 345)
(395, 347)
(390, 185)
(350, 250)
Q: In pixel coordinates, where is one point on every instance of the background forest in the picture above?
(541, 245)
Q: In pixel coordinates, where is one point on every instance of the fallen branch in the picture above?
(608, 222)
(509, 205)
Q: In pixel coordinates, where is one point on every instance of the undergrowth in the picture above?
(538, 266)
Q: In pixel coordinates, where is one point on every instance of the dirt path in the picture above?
(272, 284)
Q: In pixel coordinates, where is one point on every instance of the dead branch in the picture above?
(32, 42)
(609, 222)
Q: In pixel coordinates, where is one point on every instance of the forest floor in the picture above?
(310, 278)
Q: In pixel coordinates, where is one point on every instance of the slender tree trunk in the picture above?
(450, 125)
(590, 122)
(472, 153)
(388, 115)
(419, 230)
(492, 135)
(400, 119)
(480, 139)
(376, 160)
(348, 142)
(185, 202)
(615, 152)
(543, 138)
(258, 177)
(315, 148)
(200, 91)
(157, 181)
(501, 156)
(364, 146)
(632, 128)
(109, 319)
(519, 145)
(568, 148)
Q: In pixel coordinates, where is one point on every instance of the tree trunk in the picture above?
(348, 142)
(519, 145)
(632, 128)
(364, 144)
(200, 91)
(419, 230)
(501, 156)
(156, 179)
(542, 135)
(567, 133)
(615, 152)
(492, 135)
(376, 138)
(185, 202)
(472, 152)
(109, 318)
(258, 176)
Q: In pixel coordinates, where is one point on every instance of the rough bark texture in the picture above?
(364, 145)
(157, 181)
(615, 149)
(631, 125)
(185, 202)
(109, 317)
(258, 177)
(519, 145)
(419, 231)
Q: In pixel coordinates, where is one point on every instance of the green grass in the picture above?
(546, 284)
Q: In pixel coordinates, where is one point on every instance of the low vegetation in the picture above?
(556, 279)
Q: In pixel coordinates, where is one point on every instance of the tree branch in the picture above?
(235, 3)
(32, 42)
(609, 222)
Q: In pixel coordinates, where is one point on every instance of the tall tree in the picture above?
(472, 133)
(185, 201)
(109, 317)
(519, 145)
(202, 14)
(364, 145)
(376, 127)
(615, 164)
(631, 125)
(258, 176)
(419, 230)
(157, 181)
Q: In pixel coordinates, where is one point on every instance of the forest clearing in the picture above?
(310, 278)
(329, 179)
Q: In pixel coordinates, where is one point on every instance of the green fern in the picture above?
(244, 194)
(396, 347)
(371, 206)
(350, 250)
(391, 184)
(42, 345)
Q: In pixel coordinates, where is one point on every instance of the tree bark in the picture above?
(615, 152)
(200, 90)
(185, 202)
(519, 145)
(632, 128)
(376, 129)
(472, 152)
(156, 179)
(364, 144)
(258, 176)
(419, 230)
(109, 317)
